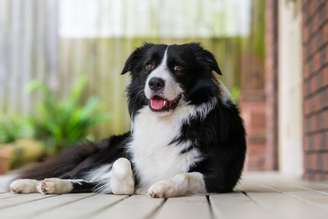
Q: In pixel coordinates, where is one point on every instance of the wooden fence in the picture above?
(32, 48)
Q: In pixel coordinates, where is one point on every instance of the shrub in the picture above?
(63, 122)
(13, 128)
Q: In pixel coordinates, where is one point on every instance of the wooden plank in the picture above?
(21, 199)
(185, 207)
(37, 207)
(286, 206)
(287, 184)
(308, 192)
(311, 194)
(311, 197)
(252, 186)
(318, 186)
(275, 182)
(6, 195)
(83, 207)
(226, 205)
(137, 206)
(287, 195)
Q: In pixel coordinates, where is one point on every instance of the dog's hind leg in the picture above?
(119, 181)
(61, 186)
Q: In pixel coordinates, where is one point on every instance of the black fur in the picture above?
(220, 136)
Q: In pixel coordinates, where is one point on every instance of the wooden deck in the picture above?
(268, 195)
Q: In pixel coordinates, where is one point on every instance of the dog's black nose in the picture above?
(156, 84)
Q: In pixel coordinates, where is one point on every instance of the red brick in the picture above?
(325, 123)
(319, 79)
(313, 161)
(325, 31)
(324, 55)
(306, 35)
(313, 84)
(312, 47)
(311, 7)
(316, 103)
(316, 61)
(306, 143)
(325, 142)
(310, 105)
(316, 143)
(325, 74)
(306, 71)
(323, 96)
(306, 107)
(315, 23)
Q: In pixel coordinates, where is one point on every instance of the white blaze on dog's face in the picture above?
(162, 90)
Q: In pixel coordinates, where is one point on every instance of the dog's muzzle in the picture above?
(156, 84)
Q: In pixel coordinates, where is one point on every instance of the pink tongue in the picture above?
(157, 104)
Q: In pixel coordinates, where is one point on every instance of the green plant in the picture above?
(63, 122)
(13, 128)
(235, 94)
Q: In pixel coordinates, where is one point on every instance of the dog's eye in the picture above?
(178, 68)
(149, 66)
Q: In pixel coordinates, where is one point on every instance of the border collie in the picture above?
(186, 134)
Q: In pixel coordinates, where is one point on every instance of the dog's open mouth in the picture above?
(160, 104)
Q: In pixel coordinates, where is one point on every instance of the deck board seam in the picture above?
(38, 213)
(295, 197)
(154, 212)
(210, 207)
(312, 189)
(256, 202)
(25, 202)
(102, 209)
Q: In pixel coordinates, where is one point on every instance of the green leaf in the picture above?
(61, 122)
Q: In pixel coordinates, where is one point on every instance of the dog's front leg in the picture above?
(122, 179)
(179, 185)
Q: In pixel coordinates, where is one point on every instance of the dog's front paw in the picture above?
(54, 186)
(23, 186)
(122, 181)
(163, 189)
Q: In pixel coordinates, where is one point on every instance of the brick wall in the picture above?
(253, 97)
(259, 98)
(315, 88)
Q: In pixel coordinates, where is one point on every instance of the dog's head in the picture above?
(165, 77)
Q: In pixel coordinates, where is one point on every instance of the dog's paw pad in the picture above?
(47, 187)
(162, 189)
(54, 186)
(23, 186)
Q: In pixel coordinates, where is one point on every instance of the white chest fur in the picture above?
(152, 154)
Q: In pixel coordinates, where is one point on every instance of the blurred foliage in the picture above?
(57, 123)
(20, 152)
(62, 122)
(255, 42)
(235, 94)
(13, 128)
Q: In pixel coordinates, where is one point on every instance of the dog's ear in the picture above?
(134, 58)
(211, 61)
(206, 57)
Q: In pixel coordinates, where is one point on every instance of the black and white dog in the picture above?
(186, 134)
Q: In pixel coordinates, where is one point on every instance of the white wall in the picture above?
(290, 88)
(140, 18)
